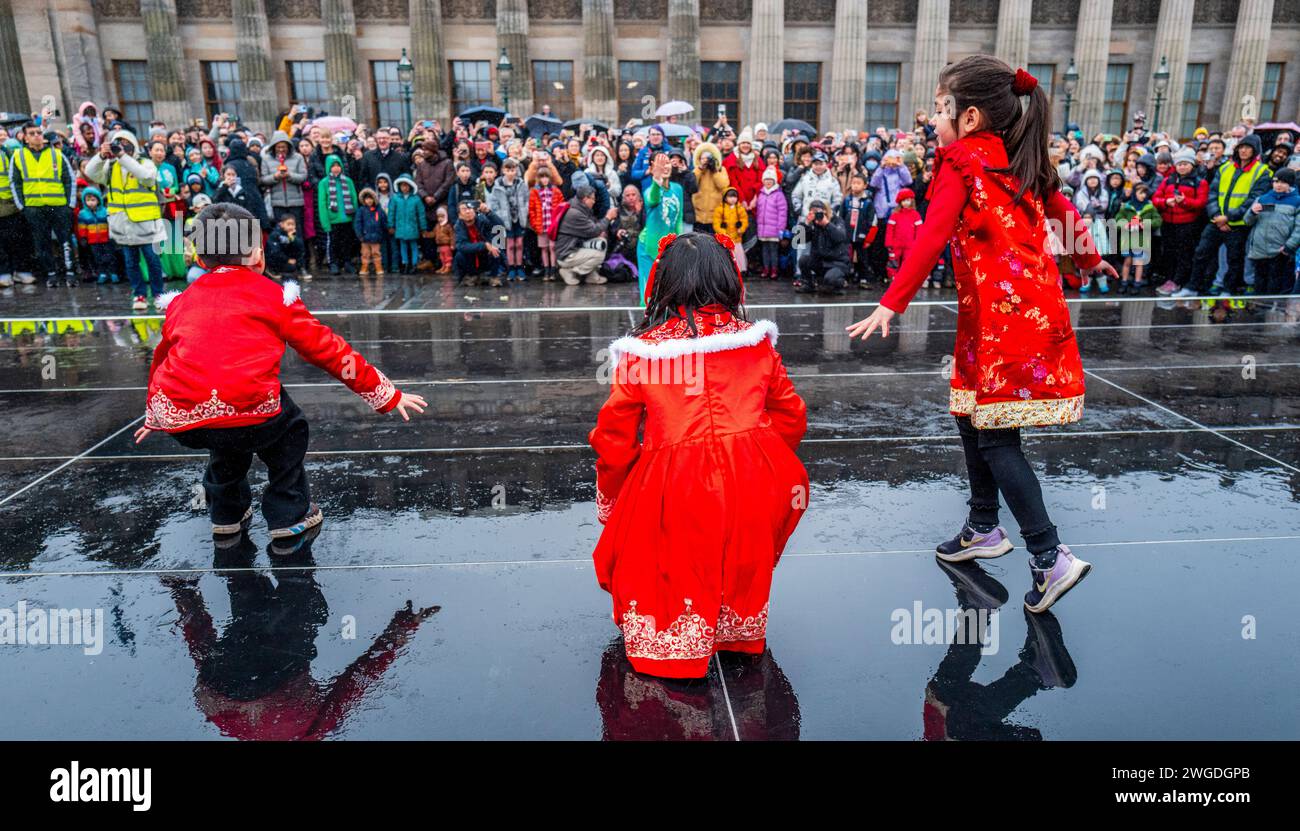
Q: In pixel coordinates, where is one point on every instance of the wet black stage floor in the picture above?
(451, 593)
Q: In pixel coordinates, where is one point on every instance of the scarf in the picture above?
(339, 193)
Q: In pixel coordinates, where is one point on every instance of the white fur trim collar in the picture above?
(163, 300)
(677, 347)
(291, 292)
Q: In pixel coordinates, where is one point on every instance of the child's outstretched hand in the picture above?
(879, 319)
(142, 434)
(1103, 268)
(412, 402)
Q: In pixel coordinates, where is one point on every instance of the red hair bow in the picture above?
(1024, 83)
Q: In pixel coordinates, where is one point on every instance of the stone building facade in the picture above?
(836, 63)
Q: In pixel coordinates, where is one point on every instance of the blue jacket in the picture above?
(484, 222)
(406, 214)
(370, 224)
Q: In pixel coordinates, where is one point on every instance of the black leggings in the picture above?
(995, 462)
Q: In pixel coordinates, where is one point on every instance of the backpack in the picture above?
(557, 216)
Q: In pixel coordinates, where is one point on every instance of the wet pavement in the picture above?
(451, 595)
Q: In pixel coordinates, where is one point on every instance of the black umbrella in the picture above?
(538, 124)
(489, 114)
(792, 124)
(596, 126)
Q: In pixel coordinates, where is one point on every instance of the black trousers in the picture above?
(823, 274)
(281, 444)
(46, 221)
(1275, 275)
(1206, 264)
(1178, 242)
(995, 462)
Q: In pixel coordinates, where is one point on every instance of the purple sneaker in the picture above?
(1049, 586)
(970, 544)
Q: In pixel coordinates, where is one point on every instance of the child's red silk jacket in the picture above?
(1016, 360)
(218, 364)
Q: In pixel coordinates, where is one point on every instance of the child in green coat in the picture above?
(336, 205)
(1137, 220)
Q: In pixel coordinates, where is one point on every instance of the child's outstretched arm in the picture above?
(1063, 216)
(321, 347)
(615, 439)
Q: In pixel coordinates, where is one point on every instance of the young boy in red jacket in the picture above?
(215, 379)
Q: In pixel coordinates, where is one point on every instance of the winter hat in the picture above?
(769, 174)
(1163, 157)
(746, 135)
(1287, 175)
(819, 156)
(200, 200)
(1185, 155)
(579, 180)
(1092, 174)
(894, 154)
(760, 127)
(905, 193)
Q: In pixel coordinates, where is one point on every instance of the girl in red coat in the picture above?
(901, 230)
(215, 379)
(697, 482)
(1017, 363)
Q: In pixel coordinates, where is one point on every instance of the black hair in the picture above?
(985, 83)
(223, 233)
(694, 271)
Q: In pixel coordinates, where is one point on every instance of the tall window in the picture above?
(636, 79)
(1114, 113)
(1046, 75)
(1272, 94)
(803, 83)
(471, 85)
(221, 87)
(720, 86)
(134, 92)
(553, 84)
(387, 95)
(882, 95)
(307, 85)
(1193, 98)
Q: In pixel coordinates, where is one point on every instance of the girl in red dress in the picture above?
(993, 196)
(697, 482)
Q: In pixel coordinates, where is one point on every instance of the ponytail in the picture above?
(995, 89)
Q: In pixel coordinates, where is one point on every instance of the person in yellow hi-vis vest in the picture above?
(1233, 190)
(43, 189)
(14, 238)
(134, 213)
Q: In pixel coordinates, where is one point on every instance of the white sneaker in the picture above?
(1185, 291)
(26, 277)
(6, 281)
(139, 304)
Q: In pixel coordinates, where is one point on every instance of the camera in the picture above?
(116, 147)
(818, 215)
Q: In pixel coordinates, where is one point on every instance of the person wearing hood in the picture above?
(134, 212)
(407, 221)
(599, 165)
(92, 232)
(336, 205)
(1280, 154)
(1274, 220)
(1145, 168)
(283, 173)
(712, 181)
(43, 189)
(247, 168)
(1181, 200)
(1236, 185)
(15, 239)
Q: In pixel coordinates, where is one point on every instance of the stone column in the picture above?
(684, 53)
(1013, 32)
(1249, 54)
(929, 55)
(429, 95)
(257, 99)
(13, 86)
(80, 62)
(512, 36)
(1091, 57)
(1173, 42)
(765, 88)
(848, 98)
(167, 82)
(339, 41)
(599, 70)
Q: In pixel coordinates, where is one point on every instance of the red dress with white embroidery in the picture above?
(1016, 360)
(218, 363)
(698, 486)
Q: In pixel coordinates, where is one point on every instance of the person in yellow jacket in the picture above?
(43, 189)
(15, 242)
(134, 211)
(731, 219)
(712, 180)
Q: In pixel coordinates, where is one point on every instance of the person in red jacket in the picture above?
(745, 170)
(901, 230)
(1181, 200)
(993, 196)
(697, 482)
(214, 383)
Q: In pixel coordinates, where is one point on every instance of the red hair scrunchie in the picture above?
(1023, 83)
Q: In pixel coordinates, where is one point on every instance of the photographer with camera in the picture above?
(43, 190)
(827, 264)
(711, 181)
(134, 212)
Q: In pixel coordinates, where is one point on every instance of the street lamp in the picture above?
(504, 70)
(405, 77)
(1161, 83)
(1069, 82)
